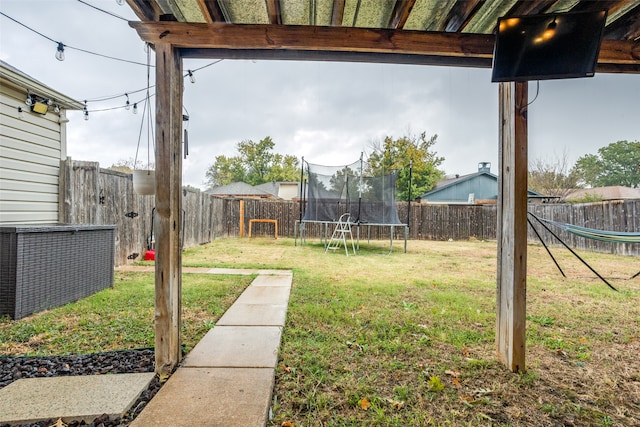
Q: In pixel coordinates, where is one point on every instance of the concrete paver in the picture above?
(264, 295)
(74, 398)
(227, 379)
(254, 315)
(237, 346)
(211, 397)
(272, 280)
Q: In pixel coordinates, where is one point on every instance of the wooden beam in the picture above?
(460, 14)
(400, 14)
(211, 11)
(625, 27)
(531, 7)
(512, 226)
(168, 217)
(304, 37)
(337, 13)
(146, 10)
(273, 10)
(467, 49)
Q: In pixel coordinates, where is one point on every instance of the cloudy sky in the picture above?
(327, 112)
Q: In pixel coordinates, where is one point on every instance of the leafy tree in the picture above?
(225, 170)
(255, 164)
(284, 168)
(345, 181)
(615, 164)
(552, 177)
(396, 154)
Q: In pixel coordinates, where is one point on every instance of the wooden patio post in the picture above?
(512, 226)
(168, 218)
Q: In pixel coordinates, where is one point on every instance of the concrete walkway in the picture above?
(228, 377)
(226, 380)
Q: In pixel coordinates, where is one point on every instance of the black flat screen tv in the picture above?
(550, 46)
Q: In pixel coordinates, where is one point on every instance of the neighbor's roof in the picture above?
(26, 83)
(273, 186)
(436, 32)
(615, 192)
(450, 182)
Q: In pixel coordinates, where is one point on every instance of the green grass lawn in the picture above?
(400, 339)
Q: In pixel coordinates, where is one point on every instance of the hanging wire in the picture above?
(524, 107)
(120, 95)
(111, 97)
(146, 115)
(66, 46)
(103, 11)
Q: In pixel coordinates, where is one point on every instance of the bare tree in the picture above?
(553, 177)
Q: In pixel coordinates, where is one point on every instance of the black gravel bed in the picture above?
(115, 362)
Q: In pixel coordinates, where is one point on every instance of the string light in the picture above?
(61, 46)
(31, 99)
(20, 113)
(60, 52)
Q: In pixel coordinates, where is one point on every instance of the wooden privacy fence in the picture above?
(90, 195)
(617, 216)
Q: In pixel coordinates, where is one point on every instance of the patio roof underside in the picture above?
(434, 32)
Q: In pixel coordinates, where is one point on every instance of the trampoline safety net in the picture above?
(367, 195)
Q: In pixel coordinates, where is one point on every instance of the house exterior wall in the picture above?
(483, 187)
(30, 152)
(288, 191)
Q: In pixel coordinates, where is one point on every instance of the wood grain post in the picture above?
(241, 225)
(512, 226)
(168, 218)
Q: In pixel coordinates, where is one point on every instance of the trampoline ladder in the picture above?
(343, 228)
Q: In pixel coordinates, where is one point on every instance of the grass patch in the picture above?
(120, 317)
(404, 339)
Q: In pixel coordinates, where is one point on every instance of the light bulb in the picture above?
(60, 52)
(191, 76)
(135, 108)
(20, 113)
(120, 2)
(86, 115)
(28, 101)
(56, 109)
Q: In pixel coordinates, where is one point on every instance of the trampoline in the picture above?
(357, 189)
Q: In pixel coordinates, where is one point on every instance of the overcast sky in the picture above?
(326, 112)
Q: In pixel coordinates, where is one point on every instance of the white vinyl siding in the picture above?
(30, 154)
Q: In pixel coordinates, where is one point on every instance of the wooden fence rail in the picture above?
(90, 195)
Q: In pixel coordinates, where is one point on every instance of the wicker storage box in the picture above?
(42, 267)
